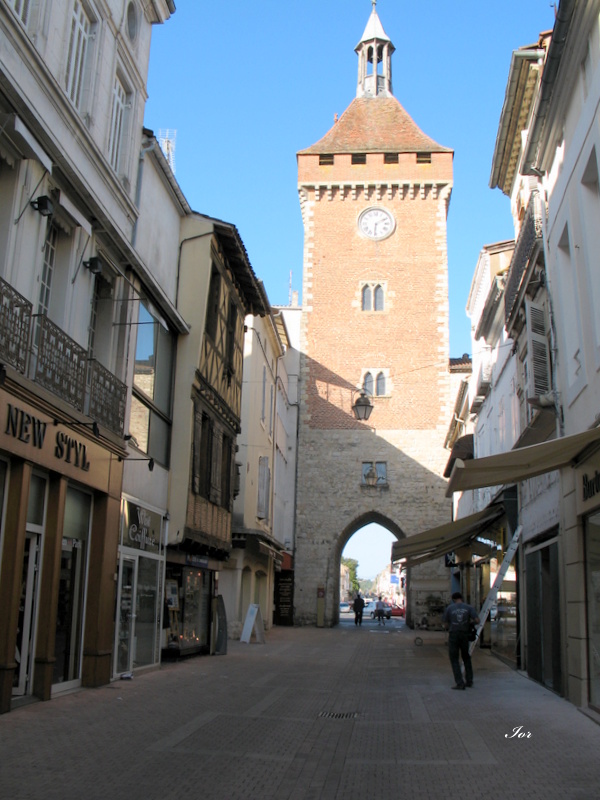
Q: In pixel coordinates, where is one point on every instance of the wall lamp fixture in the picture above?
(149, 460)
(43, 205)
(94, 265)
(362, 407)
(93, 425)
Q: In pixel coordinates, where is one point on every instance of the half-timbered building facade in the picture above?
(217, 289)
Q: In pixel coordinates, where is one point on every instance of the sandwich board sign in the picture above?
(254, 622)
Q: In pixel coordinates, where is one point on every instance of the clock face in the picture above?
(376, 223)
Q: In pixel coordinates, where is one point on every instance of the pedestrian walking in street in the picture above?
(357, 607)
(458, 618)
(379, 609)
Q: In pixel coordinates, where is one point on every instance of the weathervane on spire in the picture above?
(374, 3)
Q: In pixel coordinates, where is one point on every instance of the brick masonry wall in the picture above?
(409, 341)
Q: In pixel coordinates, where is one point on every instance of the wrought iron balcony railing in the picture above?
(15, 327)
(58, 363)
(530, 234)
(107, 398)
(39, 349)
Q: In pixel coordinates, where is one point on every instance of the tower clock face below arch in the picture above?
(376, 223)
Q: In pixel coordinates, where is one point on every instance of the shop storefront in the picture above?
(59, 502)
(592, 546)
(190, 586)
(588, 506)
(140, 593)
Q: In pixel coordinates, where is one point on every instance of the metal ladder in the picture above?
(493, 593)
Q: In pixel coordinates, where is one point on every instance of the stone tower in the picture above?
(374, 195)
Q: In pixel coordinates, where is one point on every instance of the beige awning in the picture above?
(522, 463)
(436, 542)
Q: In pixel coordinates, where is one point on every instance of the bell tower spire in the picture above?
(374, 59)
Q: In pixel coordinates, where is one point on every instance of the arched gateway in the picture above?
(347, 533)
(374, 194)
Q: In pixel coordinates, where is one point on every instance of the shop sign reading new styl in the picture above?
(32, 431)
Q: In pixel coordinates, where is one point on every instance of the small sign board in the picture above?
(254, 622)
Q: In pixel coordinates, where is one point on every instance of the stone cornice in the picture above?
(375, 190)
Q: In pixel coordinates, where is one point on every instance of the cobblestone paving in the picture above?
(313, 714)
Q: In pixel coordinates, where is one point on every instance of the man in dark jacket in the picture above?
(458, 618)
(357, 607)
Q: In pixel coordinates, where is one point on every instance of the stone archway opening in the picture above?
(368, 541)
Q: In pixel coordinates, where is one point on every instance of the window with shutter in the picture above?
(538, 378)
(264, 483)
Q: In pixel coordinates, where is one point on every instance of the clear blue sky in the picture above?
(246, 85)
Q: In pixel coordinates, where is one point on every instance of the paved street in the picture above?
(312, 714)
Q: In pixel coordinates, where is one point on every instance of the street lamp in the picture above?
(362, 407)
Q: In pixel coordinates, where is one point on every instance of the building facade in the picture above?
(71, 112)
(217, 289)
(374, 194)
(545, 162)
(256, 554)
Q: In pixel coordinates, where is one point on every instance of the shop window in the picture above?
(30, 576)
(150, 422)
(71, 591)
(592, 530)
(147, 612)
(3, 473)
(542, 611)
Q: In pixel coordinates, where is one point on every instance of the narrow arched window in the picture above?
(366, 298)
(380, 387)
(368, 384)
(378, 298)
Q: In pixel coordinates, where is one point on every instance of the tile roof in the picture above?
(375, 125)
(462, 364)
